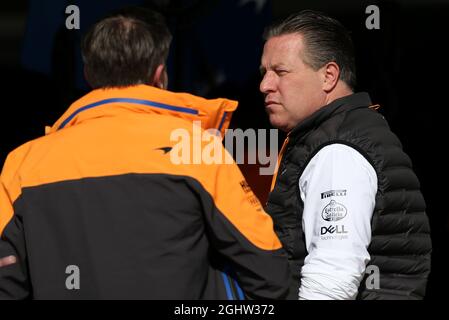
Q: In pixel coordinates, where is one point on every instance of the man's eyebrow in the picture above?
(279, 65)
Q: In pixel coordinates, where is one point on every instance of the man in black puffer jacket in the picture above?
(345, 201)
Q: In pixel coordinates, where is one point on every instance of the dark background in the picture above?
(216, 52)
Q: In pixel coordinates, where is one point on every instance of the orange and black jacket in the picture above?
(101, 192)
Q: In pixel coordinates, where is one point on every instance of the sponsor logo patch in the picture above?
(245, 186)
(165, 149)
(333, 229)
(334, 232)
(334, 211)
(333, 193)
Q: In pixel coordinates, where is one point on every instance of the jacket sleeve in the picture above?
(14, 281)
(242, 232)
(337, 226)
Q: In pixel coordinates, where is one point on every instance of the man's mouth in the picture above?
(270, 102)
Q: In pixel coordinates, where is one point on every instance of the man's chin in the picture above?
(278, 124)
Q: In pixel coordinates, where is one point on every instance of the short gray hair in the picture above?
(326, 40)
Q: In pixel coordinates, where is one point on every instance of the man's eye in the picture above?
(281, 72)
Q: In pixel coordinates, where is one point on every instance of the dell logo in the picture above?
(333, 229)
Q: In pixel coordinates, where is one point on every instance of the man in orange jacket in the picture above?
(98, 209)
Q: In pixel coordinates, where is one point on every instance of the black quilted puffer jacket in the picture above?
(401, 244)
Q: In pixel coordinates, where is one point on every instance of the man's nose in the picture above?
(268, 83)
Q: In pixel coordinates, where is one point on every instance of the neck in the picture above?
(340, 90)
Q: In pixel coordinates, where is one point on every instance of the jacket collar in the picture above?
(213, 113)
(353, 101)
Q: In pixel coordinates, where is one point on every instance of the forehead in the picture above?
(283, 49)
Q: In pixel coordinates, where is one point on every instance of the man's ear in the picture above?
(160, 78)
(331, 75)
